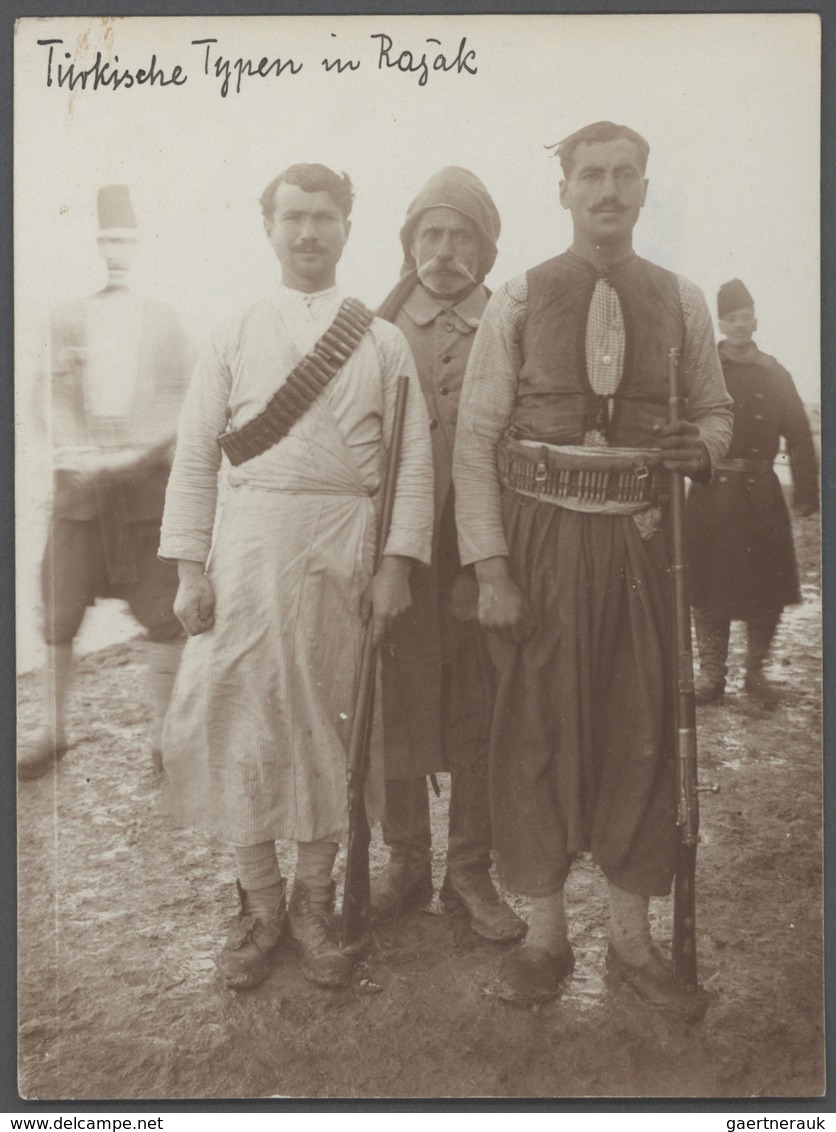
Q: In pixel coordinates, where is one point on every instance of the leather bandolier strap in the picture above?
(746, 467)
(302, 386)
(600, 478)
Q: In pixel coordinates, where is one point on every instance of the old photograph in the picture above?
(418, 557)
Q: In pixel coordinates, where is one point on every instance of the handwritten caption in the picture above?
(206, 60)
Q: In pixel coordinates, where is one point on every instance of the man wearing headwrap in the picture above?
(119, 366)
(438, 683)
(740, 540)
(560, 473)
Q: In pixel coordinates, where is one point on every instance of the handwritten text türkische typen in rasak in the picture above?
(205, 60)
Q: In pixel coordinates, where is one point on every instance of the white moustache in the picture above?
(451, 265)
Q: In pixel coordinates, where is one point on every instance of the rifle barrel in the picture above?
(356, 893)
(685, 721)
(357, 746)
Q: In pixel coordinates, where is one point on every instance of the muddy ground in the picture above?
(120, 918)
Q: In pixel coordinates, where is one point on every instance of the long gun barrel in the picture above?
(356, 913)
(687, 800)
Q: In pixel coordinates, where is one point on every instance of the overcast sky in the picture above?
(729, 104)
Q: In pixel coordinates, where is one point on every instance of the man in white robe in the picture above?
(255, 738)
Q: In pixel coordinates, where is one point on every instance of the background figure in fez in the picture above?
(742, 556)
(118, 372)
(438, 680)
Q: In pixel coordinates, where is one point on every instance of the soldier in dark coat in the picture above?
(742, 556)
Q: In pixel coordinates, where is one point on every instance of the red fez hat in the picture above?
(114, 208)
(733, 296)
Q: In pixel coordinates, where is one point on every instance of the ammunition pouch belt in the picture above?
(302, 386)
(608, 480)
(745, 467)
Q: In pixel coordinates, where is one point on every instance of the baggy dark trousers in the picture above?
(581, 742)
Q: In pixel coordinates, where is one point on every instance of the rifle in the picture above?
(356, 913)
(685, 723)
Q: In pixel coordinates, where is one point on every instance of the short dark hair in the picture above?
(311, 179)
(599, 132)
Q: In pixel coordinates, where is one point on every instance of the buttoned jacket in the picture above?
(413, 714)
(441, 339)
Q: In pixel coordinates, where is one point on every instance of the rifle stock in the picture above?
(356, 913)
(685, 737)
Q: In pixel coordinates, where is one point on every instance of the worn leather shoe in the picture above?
(709, 687)
(404, 882)
(490, 917)
(655, 983)
(320, 957)
(37, 756)
(531, 974)
(246, 958)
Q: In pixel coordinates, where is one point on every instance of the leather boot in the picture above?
(245, 960)
(634, 959)
(713, 645)
(535, 970)
(407, 878)
(759, 636)
(309, 915)
(468, 883)
(531, 974)
(654, 983)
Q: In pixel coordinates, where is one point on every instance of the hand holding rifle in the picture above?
(387, 596)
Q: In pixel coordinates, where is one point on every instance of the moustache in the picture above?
(453, 266)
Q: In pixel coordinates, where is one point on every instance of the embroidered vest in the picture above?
(555, 402)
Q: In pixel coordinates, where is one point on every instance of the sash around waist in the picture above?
(276, 487)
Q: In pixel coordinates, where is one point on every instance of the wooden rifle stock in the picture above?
(685, 723)
(356, 913)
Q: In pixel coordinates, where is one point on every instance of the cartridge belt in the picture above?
(747, 467)
(302, 386)
(614, 480)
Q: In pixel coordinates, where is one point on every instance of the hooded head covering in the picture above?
(115, 210)
(733, 296)
(457, 188)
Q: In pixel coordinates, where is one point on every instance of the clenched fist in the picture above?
(387, 596)
(503, 607)
(194, 605)
(682, 448)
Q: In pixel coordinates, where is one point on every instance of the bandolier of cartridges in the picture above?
(301, 388)
(545, 472)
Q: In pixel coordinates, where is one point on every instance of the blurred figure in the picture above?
(118, 374)
(438, 681)
(742, 556)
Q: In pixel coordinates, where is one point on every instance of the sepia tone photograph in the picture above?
(418, 557)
